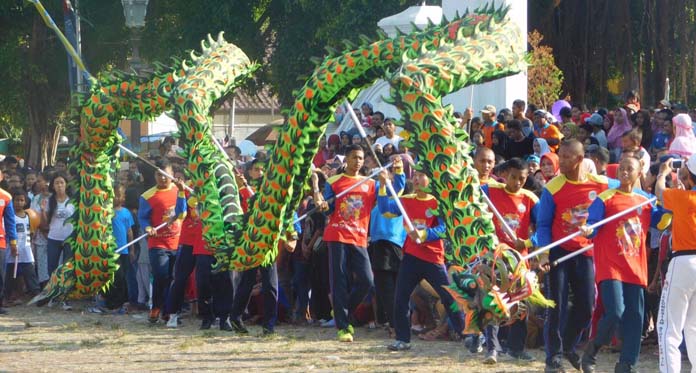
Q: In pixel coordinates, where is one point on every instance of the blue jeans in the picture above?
(623, 305)
(161, 265)
(183, 267)
(411, 272)
(576, 274)
(214, 289)
(351, 279)
(300, 285)
(269, 289)
(54, 249)
(131, 279)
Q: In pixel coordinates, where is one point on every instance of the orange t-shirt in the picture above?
(550, 132)
(682, 203)
(518, 210)
(488, 132)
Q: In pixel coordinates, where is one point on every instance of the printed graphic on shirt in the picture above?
(576, 216)
(350, 207)
(173, 228)
(420, 224)
(629, 234)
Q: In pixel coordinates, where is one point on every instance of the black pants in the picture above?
(183, 267)
(269, 289)
(319, 305)
(215, 292)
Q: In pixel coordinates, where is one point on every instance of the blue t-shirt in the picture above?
(660, 140)
(121, 222)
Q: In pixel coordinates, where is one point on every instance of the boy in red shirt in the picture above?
(425, 260)
(162, 203)
(518, 207)
(621, 266)
(346, 237)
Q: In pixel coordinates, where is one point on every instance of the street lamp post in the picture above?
(134, 11)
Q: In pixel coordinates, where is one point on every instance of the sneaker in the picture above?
(328, 324)
(238, 326)
(66, 306)
(173, 321)
(589, 358)
(624, 368)
(521, 355)
(573, 358)
(154, 315)
(556, 366)
(476, 346)
(206, 324)
(399, 346)
(491, 357)
(345, 335)
(227, 327)
(95, 309)
(268, 332)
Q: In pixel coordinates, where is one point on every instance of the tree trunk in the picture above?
(42, 131)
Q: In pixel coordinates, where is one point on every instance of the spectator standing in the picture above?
(677, 312)
(8, 236)
(390, 136)
(490, 125)
(546, 131)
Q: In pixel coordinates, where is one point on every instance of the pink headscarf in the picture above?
(684, 143)
(617, 130)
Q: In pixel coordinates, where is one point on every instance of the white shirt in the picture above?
(23, 242)
(384, 140)
(59, 230)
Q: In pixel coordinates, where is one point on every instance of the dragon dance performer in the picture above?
(621, 267)
(519, 208)
(563, 208)
(421, 261)
(162, 203)
(8, 235)
(346, 237)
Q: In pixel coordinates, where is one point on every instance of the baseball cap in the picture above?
(489, 109)
(691, 164)
(595, 120)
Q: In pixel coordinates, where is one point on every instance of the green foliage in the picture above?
(544, 78)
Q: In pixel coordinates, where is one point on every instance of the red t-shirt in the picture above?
(518, 210)
(419, 210)
(158, 206)
(620, 244)
(572, 200)
(192, 229)
(350, 220)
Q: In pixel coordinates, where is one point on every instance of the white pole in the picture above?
(166, 174)
(118, 251)
(572, 255)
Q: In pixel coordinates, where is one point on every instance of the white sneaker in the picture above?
(66, 306)
(173, 321)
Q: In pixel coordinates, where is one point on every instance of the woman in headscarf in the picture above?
(500, 141)
(328, 151)
(549, 166)
(541, 147)
(569, 130)
(684, 143)
(619, 127)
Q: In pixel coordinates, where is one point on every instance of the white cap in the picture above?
(691, 164)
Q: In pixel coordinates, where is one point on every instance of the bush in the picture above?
(544, 78)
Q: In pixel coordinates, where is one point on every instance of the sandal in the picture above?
(439, 333)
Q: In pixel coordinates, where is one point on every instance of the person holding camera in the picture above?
(677, 312)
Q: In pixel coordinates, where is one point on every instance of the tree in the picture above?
(545, 79)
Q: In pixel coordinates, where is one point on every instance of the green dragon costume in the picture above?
(421, 67)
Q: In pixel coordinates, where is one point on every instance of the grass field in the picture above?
(48, 339)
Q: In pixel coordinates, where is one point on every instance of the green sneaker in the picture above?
(350, 329)
(345, 335)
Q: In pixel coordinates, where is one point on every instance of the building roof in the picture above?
(263, 100)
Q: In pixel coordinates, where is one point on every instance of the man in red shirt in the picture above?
(546, 130)
(162, 203)
(563, 209)
(346, 237)
(621, 266)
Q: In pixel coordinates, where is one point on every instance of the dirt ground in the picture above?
(49, 339)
